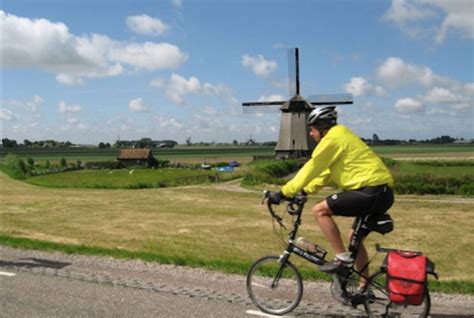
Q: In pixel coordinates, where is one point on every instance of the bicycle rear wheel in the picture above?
(378, 303)
(273, 287)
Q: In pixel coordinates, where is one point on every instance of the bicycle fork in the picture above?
(282, 261)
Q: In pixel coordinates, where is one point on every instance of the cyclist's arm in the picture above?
(323, 156)
(318, 183)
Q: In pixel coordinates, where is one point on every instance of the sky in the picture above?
(93, 71)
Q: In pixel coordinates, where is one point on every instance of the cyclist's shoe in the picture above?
(336, 267)
(369, 295)
(361, 296)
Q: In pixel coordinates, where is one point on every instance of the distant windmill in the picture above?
(294, 140)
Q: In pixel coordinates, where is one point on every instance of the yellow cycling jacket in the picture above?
(341, 158)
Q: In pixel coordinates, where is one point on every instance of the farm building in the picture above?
(136, 157)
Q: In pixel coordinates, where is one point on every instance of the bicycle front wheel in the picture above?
(273, 287)
(378, 303)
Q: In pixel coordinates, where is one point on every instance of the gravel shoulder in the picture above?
(191, 282)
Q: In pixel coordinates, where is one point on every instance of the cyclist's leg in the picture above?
(351, 203)
(323, 216)
(361, 260)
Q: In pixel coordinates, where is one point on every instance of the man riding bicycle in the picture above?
(343, 159)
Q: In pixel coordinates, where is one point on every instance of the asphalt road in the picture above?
(33, 295)
(44, 284)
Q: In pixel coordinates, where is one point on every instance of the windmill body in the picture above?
(294, 140)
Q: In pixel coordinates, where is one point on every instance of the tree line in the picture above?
(12, 143)
(434, 141)
(149, 143)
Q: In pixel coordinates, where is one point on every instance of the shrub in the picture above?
(21, 165)
(14, 167)
(31, 162)
(269, 171)
(467, 189)
(140, 185)
(432, 184)
(103, 165)
(162, 163)
(445, 163)
(390, 163)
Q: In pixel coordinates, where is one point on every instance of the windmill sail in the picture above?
(293, 72)
(330, 99)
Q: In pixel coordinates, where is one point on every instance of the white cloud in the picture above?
(64, 108)
(408, 105)
(136, 105)
(438, 95)
(149, 55)
(396, 72)
(144, 24)
(34, 104)
(177, 87)
(177, 3)
(469, 88)
(168, 122)
(462, 107)
(259, 65)
(264, 98)
(459, 18)
(6, 114)
(72, 120)
(402, 11)
(49, 46)
(421, 17)
(359, 86)
(69, 79)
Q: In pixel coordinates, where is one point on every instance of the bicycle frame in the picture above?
(293, 248)
(319, 258)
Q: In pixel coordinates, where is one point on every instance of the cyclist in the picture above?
(343, 159)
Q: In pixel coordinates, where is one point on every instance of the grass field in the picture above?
(454, 169)
(445, 173)
(123, 178)
(186, 154)
(219, 227)
(421, 149)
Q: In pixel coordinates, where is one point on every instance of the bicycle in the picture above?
(275, 285)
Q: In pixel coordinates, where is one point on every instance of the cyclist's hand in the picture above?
(275, 197)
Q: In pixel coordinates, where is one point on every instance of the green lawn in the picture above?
(422, 149)
(123, 178)
(451, 169)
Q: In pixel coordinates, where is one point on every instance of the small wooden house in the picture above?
(136, 157)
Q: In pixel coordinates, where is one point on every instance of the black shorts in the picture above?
(360, 202)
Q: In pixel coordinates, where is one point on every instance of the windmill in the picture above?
(294, 140)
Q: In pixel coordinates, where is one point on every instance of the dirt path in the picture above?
(234, 186)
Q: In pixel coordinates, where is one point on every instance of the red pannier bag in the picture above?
(406, 277)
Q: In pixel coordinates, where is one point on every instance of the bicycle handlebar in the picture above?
(295, 205)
